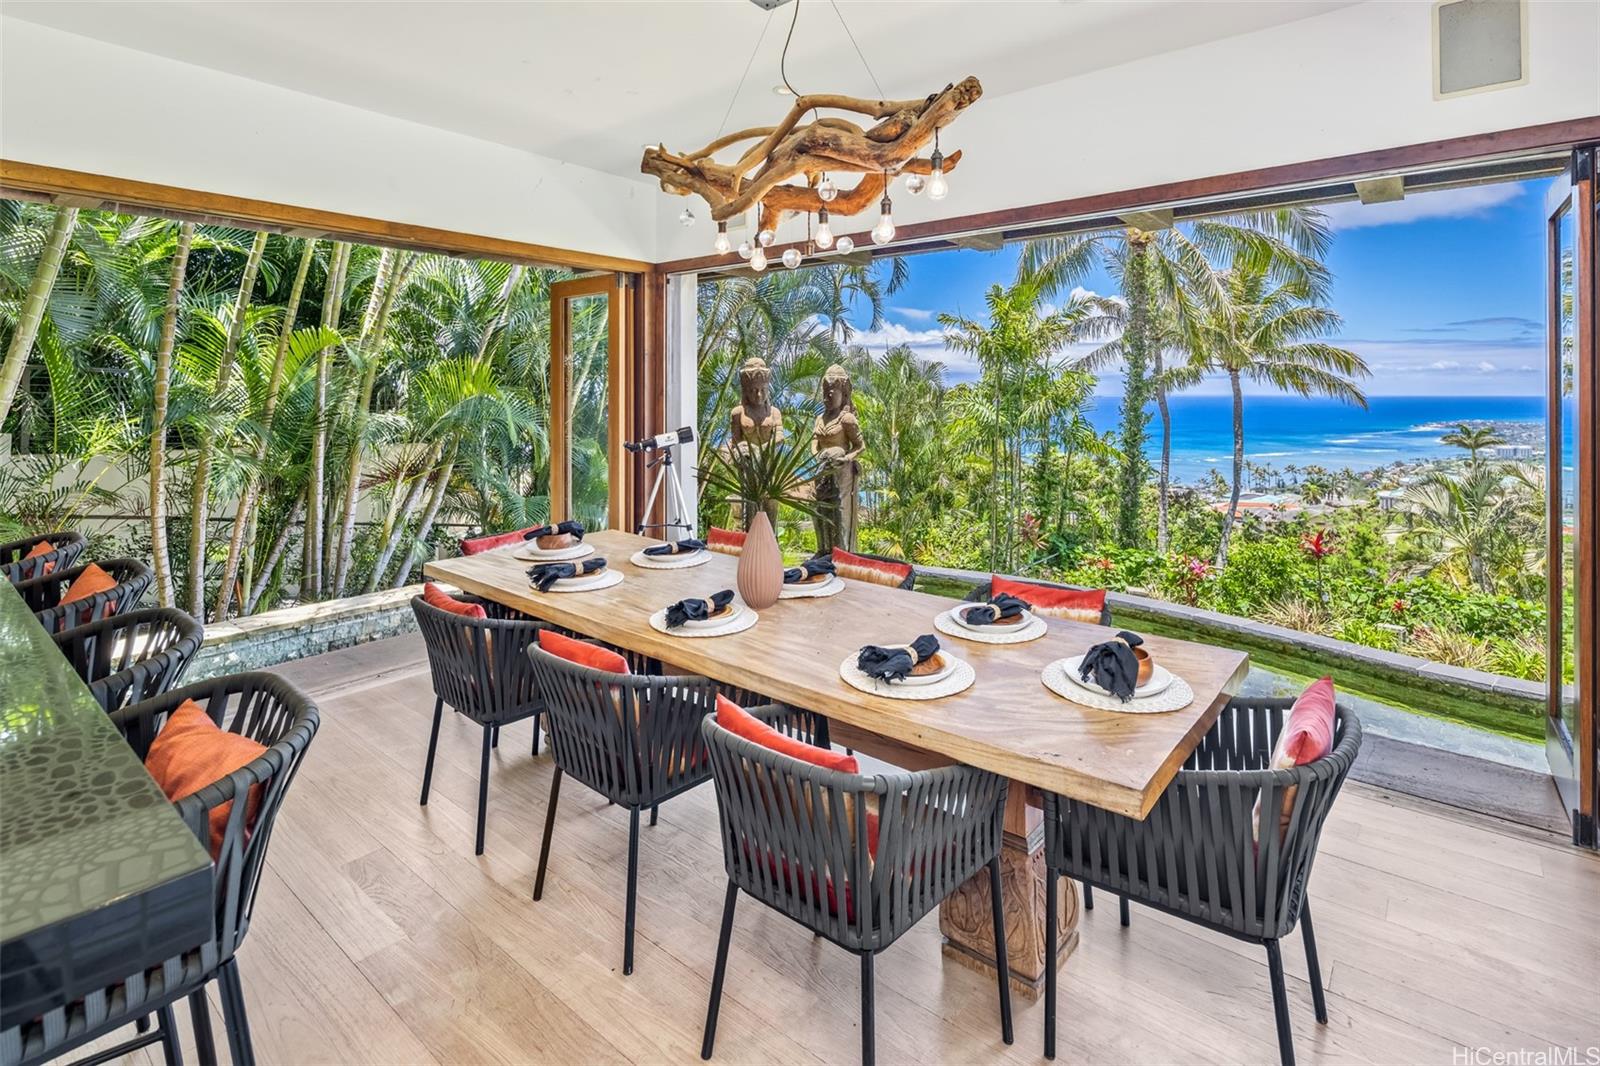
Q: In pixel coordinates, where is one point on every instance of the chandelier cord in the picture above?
(859, 54)
(783, 58)
(737, 89)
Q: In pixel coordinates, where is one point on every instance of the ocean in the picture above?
(1285, 430)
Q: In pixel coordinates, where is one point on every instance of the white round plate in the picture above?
(1060, 677)
(669, 562)
(560, 555)
(735, 609)
(948, 623)
(738, 624)
(960, 615)
(588, 583)
(958, 680)
(1160, 678)
(821, 588)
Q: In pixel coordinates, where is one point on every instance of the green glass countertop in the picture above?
(82, 825)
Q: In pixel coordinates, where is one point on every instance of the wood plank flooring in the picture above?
(380, 938)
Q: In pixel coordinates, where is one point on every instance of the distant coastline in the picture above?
(1285, 431)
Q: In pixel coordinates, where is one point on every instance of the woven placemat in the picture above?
(1174, 697)
(669, 562)
(560, 555)
(947, 623)
(807, 592)
(959, 680)
(738, 624)
(592, 584)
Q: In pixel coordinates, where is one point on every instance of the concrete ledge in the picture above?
(272, 637)
(1406, 675)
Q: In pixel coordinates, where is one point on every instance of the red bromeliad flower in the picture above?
(1399, 606)
(1318, 545)
(1198, 568)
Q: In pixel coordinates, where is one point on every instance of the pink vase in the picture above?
(760, 565)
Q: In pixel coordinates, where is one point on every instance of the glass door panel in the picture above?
(1572, 490)
(586, 464)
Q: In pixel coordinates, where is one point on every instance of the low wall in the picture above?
(272, 637)
(1490, 700)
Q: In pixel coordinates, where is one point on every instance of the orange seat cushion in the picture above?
(192, 752)
(434, 596)
(878, 571)
(92, 580)
(44, 547)
(1074, 605)
(726, 541)
(495, 540)
(741, 723)
(582, 652)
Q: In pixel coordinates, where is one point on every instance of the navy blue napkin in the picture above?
(893, 663)
(696, 610)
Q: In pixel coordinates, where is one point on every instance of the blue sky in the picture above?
(1442, 293)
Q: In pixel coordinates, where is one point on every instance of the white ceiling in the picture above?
(590, 83)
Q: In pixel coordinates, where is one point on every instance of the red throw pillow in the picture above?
(859, 567)
(434, 596)
(495, 540)
(92, 580)
(191, 752)
(44, 547)
(726, 541)
(1307, 736)
(1074, 605)
(741, 723)
(582, 652)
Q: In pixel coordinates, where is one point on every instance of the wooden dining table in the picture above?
(1006, 721)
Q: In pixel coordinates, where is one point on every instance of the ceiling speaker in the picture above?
(1479, 45)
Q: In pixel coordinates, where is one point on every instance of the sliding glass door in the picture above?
(1573, 493)
(588, 366)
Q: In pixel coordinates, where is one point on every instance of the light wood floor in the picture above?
(380, 938)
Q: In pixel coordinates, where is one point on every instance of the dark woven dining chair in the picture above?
(1195, 855)
(272, 712)
(856, 858)
(633, 739)
(43, 594)
(131, 657)
(66, 546)
(981, 593)
(480, 670)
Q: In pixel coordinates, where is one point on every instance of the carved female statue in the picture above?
(836, 439)
(755, 420)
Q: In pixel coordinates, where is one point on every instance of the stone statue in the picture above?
(836, 440)
(755, 421)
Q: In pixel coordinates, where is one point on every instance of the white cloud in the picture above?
(1486, 367)
(1444, 364)
(915, 314)
(1472, 201)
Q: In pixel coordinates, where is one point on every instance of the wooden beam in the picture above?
(81, 189)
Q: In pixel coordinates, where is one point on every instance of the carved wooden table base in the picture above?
(967, 923)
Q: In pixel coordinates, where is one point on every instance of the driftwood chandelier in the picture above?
(762, 178)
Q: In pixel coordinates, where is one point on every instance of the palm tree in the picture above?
(1472, 523)
(900, 399)
(32, 313)
(160, 555)
(1472, 438)
(317, 482)
(1270, 332)
(1008, 410)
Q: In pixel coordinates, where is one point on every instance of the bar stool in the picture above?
(131, 657)
(51, 598)
(22, 560)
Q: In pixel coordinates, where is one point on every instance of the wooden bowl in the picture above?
(928, 666)
(1147, 666)
(555, 542)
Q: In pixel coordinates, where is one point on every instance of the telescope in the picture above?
(661, 440)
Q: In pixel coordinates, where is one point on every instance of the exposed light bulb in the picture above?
(745, 249)
(845, 246)
(938, 188)
(791, 257)
(827, 190)
(722, 244)
(765, 238)
(824, 236)
(914, 184)
(758, 260)
(883, 232)
(686, 217)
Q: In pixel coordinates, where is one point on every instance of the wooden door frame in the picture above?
(619, 358)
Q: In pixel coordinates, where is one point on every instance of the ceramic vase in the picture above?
(760, 576)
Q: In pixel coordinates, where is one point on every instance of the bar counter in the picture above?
(99, 877)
